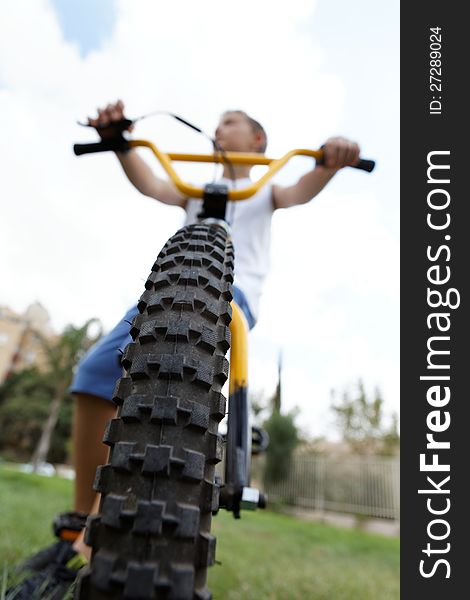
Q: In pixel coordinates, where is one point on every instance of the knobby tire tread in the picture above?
(151, 537)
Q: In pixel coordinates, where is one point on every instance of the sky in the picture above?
(77, 237)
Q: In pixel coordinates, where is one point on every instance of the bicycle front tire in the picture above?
(151, 537)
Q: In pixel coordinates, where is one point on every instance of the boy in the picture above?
(98, 371)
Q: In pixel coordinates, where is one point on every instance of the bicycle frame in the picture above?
(151, 535)
(235, 493)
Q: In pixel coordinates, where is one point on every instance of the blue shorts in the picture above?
(100, 368)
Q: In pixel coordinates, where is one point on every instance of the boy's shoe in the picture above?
(67, 527)
(52, 582)
(51, 571)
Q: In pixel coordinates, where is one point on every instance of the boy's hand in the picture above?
(340, 152)
(107, 116)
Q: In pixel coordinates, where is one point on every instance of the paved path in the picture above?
(382, 526)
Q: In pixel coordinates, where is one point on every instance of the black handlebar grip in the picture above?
(365, 165)
(119, 145)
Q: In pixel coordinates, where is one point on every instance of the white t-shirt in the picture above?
(250, 221)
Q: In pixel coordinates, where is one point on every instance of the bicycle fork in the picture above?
(236, 493)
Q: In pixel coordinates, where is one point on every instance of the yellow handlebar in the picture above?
(236, 158)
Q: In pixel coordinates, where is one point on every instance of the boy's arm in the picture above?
(339, 152)
(137, 170)
(143, 179)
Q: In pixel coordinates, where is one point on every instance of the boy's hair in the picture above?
(255, 126)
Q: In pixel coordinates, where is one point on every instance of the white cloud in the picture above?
(332, 301)
(75, 235)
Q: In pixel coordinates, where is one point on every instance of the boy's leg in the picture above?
(91, 415)
(92, 389)
(79, 544)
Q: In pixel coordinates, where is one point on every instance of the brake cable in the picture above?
(216, 147)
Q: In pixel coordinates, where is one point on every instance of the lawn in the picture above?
(263, 555)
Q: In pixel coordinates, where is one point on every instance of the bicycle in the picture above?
(151, 537)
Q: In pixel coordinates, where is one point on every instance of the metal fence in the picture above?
(368, 486)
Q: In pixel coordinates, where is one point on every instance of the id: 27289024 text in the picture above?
(435, 70)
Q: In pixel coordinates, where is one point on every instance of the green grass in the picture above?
(263, 555)
(28, 504)
(278, 557)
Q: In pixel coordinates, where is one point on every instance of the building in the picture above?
(20, 338)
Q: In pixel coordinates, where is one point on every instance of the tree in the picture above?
(391, 439)
(24, 402)
(260, 406)
(361, 422)
(62, 355)
(283, 436)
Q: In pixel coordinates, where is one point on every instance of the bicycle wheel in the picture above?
(151, 537)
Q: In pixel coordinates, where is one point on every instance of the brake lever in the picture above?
(116, 126)
(112, 138)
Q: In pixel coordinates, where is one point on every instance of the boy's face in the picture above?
(235, 134)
